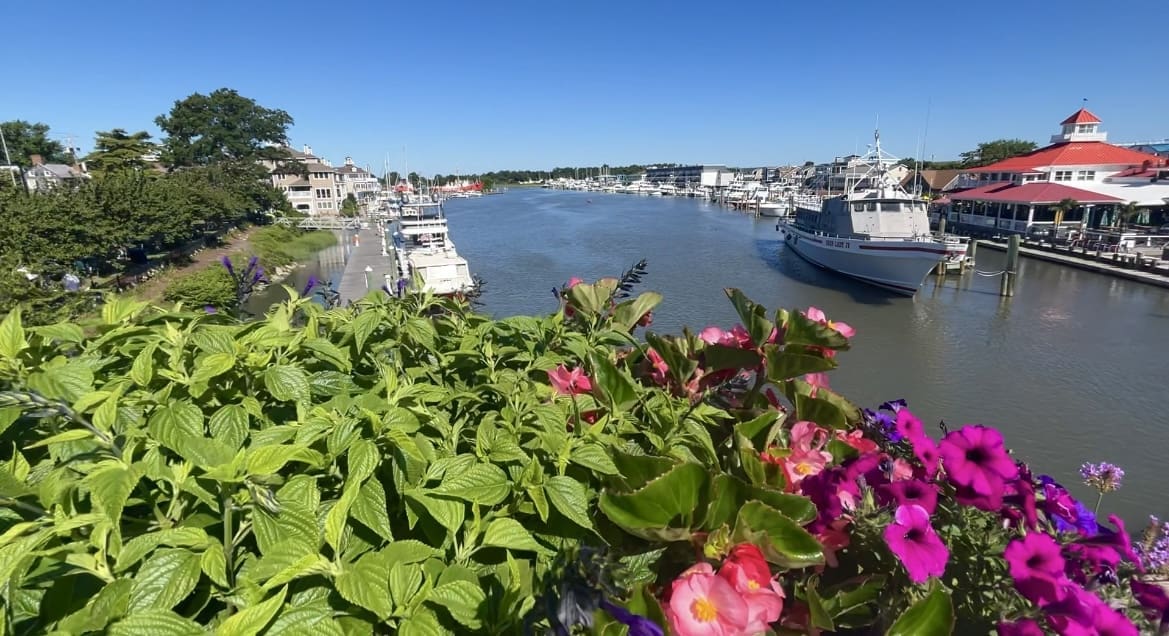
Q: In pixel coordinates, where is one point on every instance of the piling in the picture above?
(972, 248)
(942, 225)
(1007, 283)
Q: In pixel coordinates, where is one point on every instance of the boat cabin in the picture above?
(875, 214)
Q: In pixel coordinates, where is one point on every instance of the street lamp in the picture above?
(368, 271)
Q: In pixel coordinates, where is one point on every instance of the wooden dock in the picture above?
(1157, 276)
(367, 253)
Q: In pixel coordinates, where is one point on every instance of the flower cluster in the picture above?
(1153, 548)
(743, 597)
(1104, 477)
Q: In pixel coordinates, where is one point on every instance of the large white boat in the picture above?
(876, 232)
(425, 256)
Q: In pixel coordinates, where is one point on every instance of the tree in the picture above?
(1126, 213)
(393, 179)
(116, 150)
(413, 179)
(222, 127)
(991, 151)
(1061, 209)
(349, 206)
(25, 140)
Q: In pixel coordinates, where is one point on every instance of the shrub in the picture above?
(209, 287)
(408, 466)
(279, 245)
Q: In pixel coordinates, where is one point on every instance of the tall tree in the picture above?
(25, 139)
(349, 206)
(222, 127)
(1126, 213)
(116, 151)
(1061, 210)
(989, 152)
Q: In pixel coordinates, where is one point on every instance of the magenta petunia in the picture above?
(912, 492)
(1036, 565)
(909, 426)
(912, 539)
(967, 497)
(1075, 613)
(1022, 627)
(1152, 598)
(1110, 622)
(926, 451)
(974, 457)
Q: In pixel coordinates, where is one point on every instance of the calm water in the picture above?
(1073, 368)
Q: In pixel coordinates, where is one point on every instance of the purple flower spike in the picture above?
(258, 277)
(1104, 477)
(252, 262)
(638, 625)
(227, 263)
(209, 309)
(312, 282)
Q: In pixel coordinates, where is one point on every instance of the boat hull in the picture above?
(896, 266)
(772, 210)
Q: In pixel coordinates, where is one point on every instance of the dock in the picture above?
(366, 255)
(1156, 276)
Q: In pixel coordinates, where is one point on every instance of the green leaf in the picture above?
(287, 383)
(720, 357)
(268, 460)
(614, 383)
(12, 340)
(295, 524)
(154, 622)
(785, 365)
(672, 496)
(363, 459)
(164, 579)
(229, 425)
(510, 534)
(569, 497)
(370, 509)
(461, 599)
(782, 540)
(328, 352)
(211, 366)
(176, 420)
(824, 410)
(364, 325)
(593, 457)
(110, 487)
(817, 613)
(142, 371)
(933, 614)
(422, 623)
(109, 604)
(143, 544)
(252, 620)
(638, 470)
(405, 580)
(449, 514)
(408, 551)
(801, 330)
(626, 314)
(483, 484)
(62, 331)
(67, 382)
(214, 564)
(752, 315)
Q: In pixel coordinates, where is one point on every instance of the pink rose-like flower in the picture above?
(704, 604)
(568, 382)
(658, 367)
(747, 570)
(842, 328)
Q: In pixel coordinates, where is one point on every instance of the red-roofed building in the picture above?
(1018, 193)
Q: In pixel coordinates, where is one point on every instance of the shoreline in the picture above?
(1155, 278)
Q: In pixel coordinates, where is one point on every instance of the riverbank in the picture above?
(1157, 276)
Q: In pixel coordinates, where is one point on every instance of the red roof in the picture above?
(1031, 193)
(1082, 116)
(1072, 153)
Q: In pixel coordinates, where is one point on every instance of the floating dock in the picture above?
(1158, 276)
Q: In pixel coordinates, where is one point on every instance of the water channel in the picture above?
(1072, 369)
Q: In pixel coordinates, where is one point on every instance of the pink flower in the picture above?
(568, 382)
(901, 470)
(806, 454)
(856, 440)
(748, 572)
(713, 335)
(658, 367)
(912, 539)
(843, 328)
(817, 380)
(573, 282)
(974, 457)
(703, 604)
(833, 539)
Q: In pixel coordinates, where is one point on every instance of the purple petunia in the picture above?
(974, 457)
(1037, 567)
(912, 539)
(1021, 627)
(910, 492)
(638, 625)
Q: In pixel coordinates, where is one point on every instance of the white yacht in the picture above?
(876, 232)
(423, 247)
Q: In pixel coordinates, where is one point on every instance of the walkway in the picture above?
(368, 253)
(1158, 276)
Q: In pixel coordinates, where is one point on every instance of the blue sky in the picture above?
(471, 87)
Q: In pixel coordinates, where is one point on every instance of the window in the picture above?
(322, 193)
(890, 207)
(1086, 175)
(1063, 175)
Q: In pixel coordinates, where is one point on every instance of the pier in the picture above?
(321, 223)
(367, 268)
(1158, 276)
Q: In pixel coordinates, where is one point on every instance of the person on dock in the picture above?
(402, 287)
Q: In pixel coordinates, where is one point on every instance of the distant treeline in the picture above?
(521, 176)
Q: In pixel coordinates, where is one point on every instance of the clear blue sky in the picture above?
(514, 85)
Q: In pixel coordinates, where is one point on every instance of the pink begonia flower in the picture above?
(805, 454)
(841, 327)
(704, 604)
(659, 368)
(747, 570)
(856, 440)
(574, 281)
(568, 382)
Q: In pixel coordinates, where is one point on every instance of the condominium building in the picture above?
(311, 184)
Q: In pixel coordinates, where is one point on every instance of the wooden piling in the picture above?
(1007, 284)
(972, 248)
(942, 225)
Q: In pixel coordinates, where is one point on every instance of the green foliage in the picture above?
(211, 286)
(223, 126)
(349, 206)
(26, 139)
(989, 152)
(396, 466)
(116, 150)
(279, 245)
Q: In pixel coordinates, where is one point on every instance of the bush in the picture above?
(209, 287)
(279, 245)
(409, 466)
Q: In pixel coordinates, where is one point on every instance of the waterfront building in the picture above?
(310, 183)
(44, 176)
(933, 183)
(1159, 147)
(1016, 194)
(681, 176)
(358, 181)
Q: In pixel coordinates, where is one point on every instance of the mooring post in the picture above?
(942, 224)
(972, 248)
(1007, 286)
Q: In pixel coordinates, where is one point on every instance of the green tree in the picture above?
(223, 126)
(25, 139)
(414, 179)
(393, 179)
(1061, 210)
(488, 184)
(991, 151)
(1125, 213)
(116, 150)
(349, 206)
